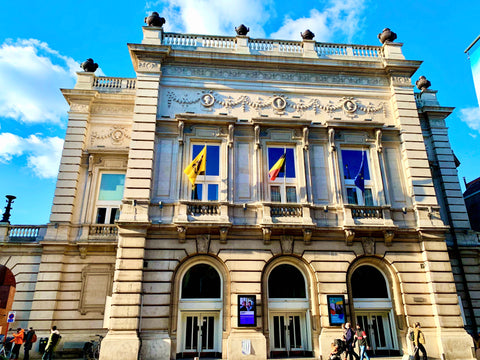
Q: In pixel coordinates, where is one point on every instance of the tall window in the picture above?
(109, 198)
(352, 163)
(201, 282)
(207, 183)
(284, 187)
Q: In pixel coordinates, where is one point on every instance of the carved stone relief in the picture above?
(149, 66)
(274, 76)
(117, 109)
(203, 243)
(79, 107)
(286, 242)
(368, 245)
(116, 135)
(280, 104)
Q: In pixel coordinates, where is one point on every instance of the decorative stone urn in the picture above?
(422, 83)
(387, 35)
(242, 30)
(154, 20)
(307, 35)
(89, 66)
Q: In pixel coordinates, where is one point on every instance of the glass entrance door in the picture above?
(199, 337)
(288, 337)
(379, 329)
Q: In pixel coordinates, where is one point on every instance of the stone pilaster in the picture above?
(419, 179)
(66, 192)
(122, 340)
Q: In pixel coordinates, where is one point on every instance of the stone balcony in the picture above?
(22, 233)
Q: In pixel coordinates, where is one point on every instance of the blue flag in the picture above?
(360, 179)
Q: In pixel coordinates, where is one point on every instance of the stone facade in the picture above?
(166, 269)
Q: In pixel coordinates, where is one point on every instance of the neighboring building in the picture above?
(472, 202)
(351, 229)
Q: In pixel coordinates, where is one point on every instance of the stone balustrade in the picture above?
(114, 83)
(103, 231)
(271, 46)
(25, 233)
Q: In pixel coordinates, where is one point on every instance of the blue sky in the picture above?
(43, 43)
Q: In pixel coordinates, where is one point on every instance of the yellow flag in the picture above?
(197, 166)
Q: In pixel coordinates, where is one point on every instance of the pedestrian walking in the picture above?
(52, 343)
(17, 341)
(30, 338)
(361, 337)
(418, 342)
(350, 341)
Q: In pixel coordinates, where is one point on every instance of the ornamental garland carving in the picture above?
(116, 134)
(117, 109)
(279, 103)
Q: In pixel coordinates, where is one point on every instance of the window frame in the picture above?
(282, 182)
(350, 183)
(109, 205)
(205, 179)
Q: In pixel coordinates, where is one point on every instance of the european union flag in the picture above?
(360, 179)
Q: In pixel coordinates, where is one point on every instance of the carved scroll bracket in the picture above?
(349, 236)
(267, 233)
(182, 233)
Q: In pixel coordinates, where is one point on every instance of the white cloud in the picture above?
(43, 153)
(214, 17)
(220, 17)
(32, 75)
(471, 116)
(342, 17)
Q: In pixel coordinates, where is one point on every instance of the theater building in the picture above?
(244, 265)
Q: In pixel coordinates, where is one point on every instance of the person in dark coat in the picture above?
(28, 342)
(350, 342)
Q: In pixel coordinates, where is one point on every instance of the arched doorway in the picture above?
(373, 309)
(7, 293)
(289, 315)
(200, 312)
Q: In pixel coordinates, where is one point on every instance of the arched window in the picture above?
(201, 282)
(286, 281)
(7, 280)
(368, 282)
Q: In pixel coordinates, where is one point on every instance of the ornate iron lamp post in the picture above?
(6, 214)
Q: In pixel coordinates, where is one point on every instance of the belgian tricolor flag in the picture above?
(278, 167)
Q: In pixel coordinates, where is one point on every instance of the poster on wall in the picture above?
(247, 310)
(336, 309)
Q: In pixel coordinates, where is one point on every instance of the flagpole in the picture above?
(205, 173)
(285, 173)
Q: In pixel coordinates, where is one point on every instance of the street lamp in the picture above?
(6, 214)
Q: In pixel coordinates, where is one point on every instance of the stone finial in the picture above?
(307, 35)
(422, 83)
(242, 30)
(155, 20)
(387, 35)
(89, 65)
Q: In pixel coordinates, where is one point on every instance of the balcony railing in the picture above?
(286, 210)
(114, 83)
(103, 231)
(196, 209)
(269, 45)
(367, 212)
(27, 233)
